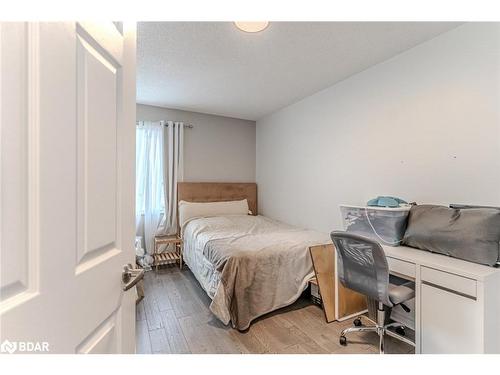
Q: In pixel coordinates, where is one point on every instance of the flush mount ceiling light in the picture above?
(251, 27)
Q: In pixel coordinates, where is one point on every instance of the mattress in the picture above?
(248, 265)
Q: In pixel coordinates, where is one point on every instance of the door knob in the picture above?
(131, 276)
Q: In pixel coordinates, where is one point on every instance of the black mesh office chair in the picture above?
(362, 267)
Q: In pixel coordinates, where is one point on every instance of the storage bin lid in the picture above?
(403, 208)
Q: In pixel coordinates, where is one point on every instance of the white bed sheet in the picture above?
(198, 232)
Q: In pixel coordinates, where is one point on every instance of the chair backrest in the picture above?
(362, 265)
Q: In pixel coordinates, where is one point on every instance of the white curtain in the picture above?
(173, 173)
(158, 168)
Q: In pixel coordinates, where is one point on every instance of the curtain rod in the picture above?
(185, 125)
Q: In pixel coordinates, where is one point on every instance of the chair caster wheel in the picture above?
(400, 331)
(357, 322)
(343, 341)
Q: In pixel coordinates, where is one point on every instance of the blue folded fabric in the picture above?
(385, 202)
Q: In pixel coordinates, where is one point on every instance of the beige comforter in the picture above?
(263, 264)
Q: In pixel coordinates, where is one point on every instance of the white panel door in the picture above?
(451, 323)
(67, 187)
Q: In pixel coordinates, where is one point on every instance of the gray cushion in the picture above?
(471, 234)
(401, 293)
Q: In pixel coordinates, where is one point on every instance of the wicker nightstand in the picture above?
(167, 257)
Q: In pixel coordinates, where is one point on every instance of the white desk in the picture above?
(457, 303)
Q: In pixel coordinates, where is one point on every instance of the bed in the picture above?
(249, 265)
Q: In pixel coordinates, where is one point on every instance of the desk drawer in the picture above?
(401, 267)
(453, 283)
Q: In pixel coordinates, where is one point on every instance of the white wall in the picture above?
(219, 149)
(424, 126)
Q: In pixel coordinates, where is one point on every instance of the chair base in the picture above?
(380, 329)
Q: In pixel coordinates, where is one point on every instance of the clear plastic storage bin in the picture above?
(383, 224)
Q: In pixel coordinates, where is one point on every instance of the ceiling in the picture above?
(212, 67)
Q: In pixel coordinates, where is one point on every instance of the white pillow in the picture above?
(189, 210)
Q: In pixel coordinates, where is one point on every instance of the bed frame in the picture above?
(339, 303)
(218, 192)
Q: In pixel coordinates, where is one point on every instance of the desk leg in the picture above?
(418, 299)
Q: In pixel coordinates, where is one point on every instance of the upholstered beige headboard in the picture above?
(218, 192)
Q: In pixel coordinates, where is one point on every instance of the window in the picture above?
(150, 195)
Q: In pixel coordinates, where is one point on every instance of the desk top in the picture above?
(441, 262)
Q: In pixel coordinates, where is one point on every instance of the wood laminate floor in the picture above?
(174, 317)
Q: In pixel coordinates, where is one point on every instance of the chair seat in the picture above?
(401, 293)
